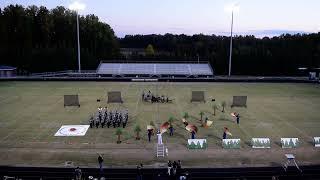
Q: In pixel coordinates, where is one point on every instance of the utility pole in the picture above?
(230, 56)
(79, 64)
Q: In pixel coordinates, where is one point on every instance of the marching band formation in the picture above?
(105, 117)
(117, 118)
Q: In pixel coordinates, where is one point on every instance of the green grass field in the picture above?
(32, 112)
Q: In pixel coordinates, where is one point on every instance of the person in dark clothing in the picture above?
(118, 122)
(179, 167)
(100, 117)
(169, 168)
(162, 99)
(174, 167)
(139, 172)
(78, 173)
(97, 122)
(100, 161)
(149, 134)
(238, 118)
(105, 117)
(205, 121)
(185, 123)
(114, 121)
(91, 122)
(142, 96)
(171, 130)
(193, 135)
(108, 122)
(103, 123)
(126, 117)
(124, 123)
(224, 135)
(106, 111)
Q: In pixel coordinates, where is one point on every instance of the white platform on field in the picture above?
(72, 130)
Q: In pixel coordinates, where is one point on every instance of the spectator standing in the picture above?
(179, 167)
(174, 168)
(78, 173)
(169, 168)
(100, 161)
(139, 172)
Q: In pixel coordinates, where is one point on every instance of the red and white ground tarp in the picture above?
(72, 130)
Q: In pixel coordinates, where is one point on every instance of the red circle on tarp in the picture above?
(72, 129)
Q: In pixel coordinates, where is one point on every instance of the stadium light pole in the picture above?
(77, 6)
(198, 58)
(231, 8)
(79, 64)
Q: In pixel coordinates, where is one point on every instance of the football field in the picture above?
(32, 112)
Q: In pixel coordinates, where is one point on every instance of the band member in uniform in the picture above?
(143, 96)
(91, 121)
(125, 120)
(114, 120)
(109, 122)
(100, 117)
(106, 113)
(97, 122)
(103, 122)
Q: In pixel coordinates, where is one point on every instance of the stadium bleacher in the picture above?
(156, 69)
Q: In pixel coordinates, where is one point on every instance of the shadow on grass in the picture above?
(215, 137)
(193, 118)
(310, 142)
(208, 112)
(248, 143)
(278, 143)
(245, 161)
(225, 119)
(178, 135)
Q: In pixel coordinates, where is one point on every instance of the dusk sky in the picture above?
(256, 17)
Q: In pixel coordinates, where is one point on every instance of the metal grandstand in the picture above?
(155, 69)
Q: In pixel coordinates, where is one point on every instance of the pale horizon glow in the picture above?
(259, 18)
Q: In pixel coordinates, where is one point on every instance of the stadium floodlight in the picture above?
(233, 8)
(302, 68)
(77, 6)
